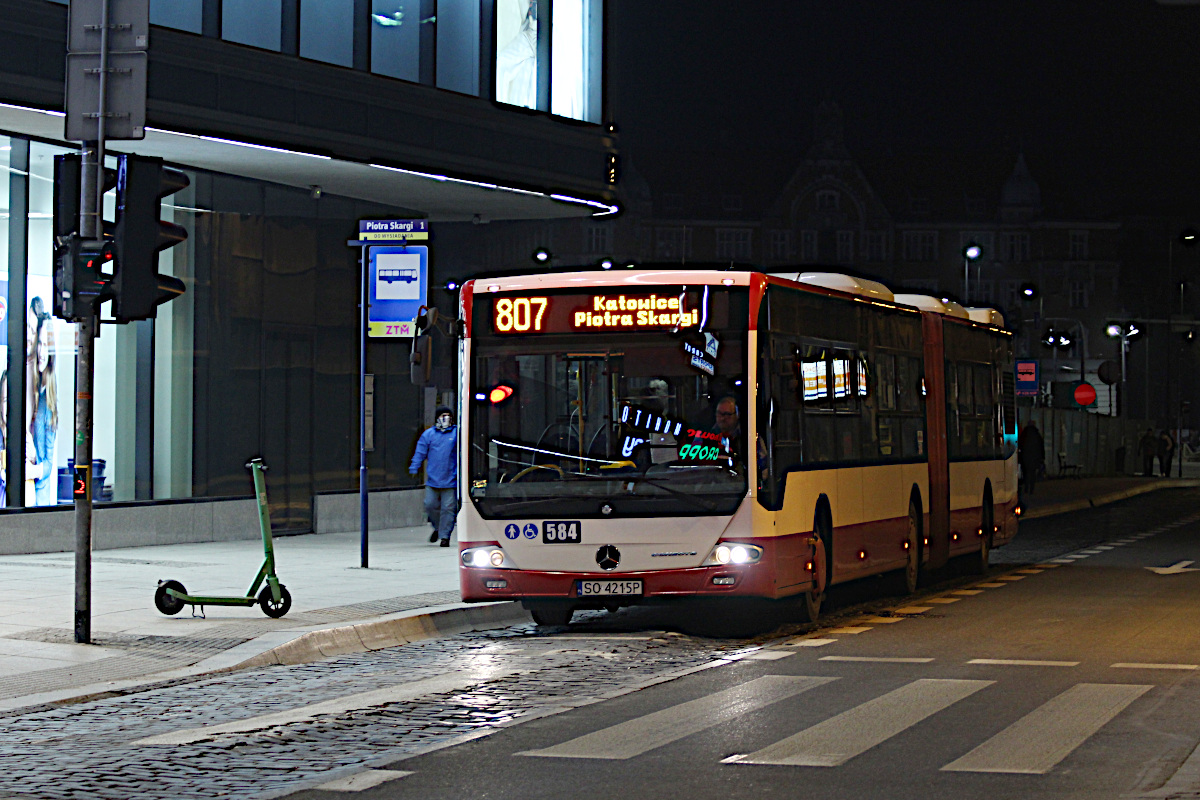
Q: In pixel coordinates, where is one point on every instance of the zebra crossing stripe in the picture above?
(1035, 743)
(839, 739)
(640, 735)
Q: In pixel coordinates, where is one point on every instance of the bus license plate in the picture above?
(595, 588)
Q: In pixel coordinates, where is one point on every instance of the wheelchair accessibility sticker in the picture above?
(531, 531)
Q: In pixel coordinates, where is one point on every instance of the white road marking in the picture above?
(765, 655)
(991, 585)
(882, 620)
(1154, 666)
(1017, 662)
(362, 781)
(1035, 743)
(879, 659)
(941, 600)
(810, 642)
(1178, 568)
(967, 592)
(913, 609)
(1048, 566)
(1011, 578)
(392, 694)
(645, 733)
(1031, 571)
(839, 739)
(1103, 547)
(850, 630)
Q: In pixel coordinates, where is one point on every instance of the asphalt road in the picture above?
(1076, 679)
(1069, 671)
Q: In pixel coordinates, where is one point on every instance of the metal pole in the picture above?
(362, 410)
(91, 209)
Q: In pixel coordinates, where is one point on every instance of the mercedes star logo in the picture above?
(608, 557)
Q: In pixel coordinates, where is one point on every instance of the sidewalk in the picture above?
(1061, 495)
(410, 592)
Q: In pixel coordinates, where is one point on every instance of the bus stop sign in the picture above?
(1027, 378)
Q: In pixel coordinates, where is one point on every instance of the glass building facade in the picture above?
(259, 356)
(545, 55)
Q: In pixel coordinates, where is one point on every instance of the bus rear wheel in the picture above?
(985, 539)
(912, 567)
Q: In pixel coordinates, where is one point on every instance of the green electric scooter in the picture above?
(274, 599)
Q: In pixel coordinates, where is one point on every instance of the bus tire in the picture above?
(810, 601)
(912, 567)
(550, 613)
(985, 540)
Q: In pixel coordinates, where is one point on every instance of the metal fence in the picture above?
(1087, 444)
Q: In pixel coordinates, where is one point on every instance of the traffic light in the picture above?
(80, 283)
(67, 172)
(139, 236)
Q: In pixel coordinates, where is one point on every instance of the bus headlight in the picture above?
(486, 557)
(733, 553)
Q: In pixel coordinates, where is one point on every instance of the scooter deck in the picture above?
(198, 600)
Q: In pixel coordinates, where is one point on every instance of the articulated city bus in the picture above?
(674, 433)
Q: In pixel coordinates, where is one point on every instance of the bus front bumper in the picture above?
(746, 580)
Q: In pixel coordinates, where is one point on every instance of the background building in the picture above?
(294, 119)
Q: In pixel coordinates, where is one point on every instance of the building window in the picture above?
(1078, 292)
(575, 61)
(808, 246)
(845, 246)
(828, 201)
(1077, 246)
(517, 52)
(874, 246)
(599, 239)
(733, 244)
(920, 245)
(327, 31)
(731, 202)
(258, 23)
(182, 15)
(673, 243)
(457, 30)
(1014, 247)
(396, 39)
(780, 245)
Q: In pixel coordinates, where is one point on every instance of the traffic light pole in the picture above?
(91, 187)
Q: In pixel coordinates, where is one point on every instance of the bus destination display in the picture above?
(594, 312)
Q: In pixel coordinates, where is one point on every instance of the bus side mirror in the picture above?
(420, 361)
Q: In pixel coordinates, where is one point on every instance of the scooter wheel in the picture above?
(169, 604)
(270, 607)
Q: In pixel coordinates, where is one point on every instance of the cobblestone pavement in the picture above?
(145, 655)
(87, 749)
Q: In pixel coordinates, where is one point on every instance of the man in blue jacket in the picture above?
(438, 449)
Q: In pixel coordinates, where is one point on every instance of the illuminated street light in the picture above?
(971, 254)
(541, 255)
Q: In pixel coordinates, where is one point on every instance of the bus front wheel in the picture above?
(810, 601)
(912, 567)
(550, 613)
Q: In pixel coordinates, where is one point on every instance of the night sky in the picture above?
(1105, 94)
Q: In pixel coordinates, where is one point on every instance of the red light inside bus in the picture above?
(500, 394)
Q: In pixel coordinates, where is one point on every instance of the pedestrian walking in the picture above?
(1166, 452)
(1031, 452)
(1148, 448)
(438, 450)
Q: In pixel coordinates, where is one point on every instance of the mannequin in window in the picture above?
(516, 63)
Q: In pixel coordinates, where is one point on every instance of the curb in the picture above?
(1110, 497)
(290, 647)
(366, 636)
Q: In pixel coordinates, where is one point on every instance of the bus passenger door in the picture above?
(938, 531)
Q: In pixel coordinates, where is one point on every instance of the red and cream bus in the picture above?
(665, 433)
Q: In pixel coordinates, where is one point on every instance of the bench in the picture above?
(1066, 470)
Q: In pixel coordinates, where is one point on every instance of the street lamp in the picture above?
(1126, 332)
(971, 254)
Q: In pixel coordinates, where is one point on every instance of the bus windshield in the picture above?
(611, 424)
